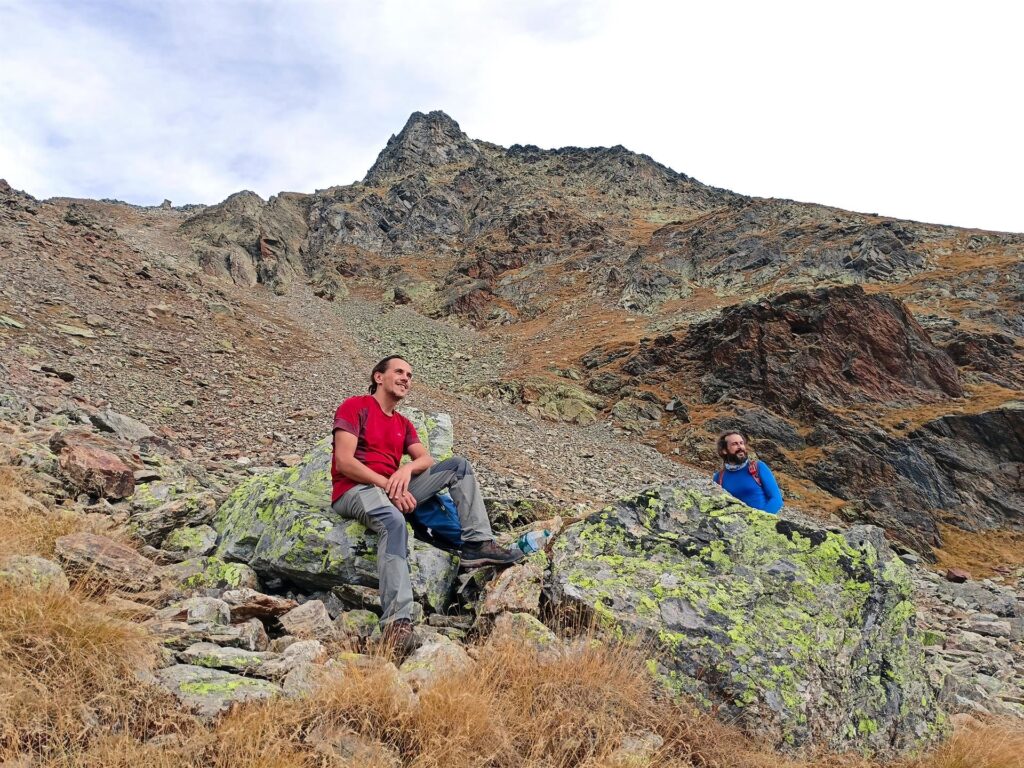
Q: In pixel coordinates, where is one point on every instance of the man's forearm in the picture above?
(357, 472)
(422, 464)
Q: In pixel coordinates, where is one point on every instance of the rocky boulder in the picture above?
(100, 560)
(427, 141)
(282, 525)
(803, 635)
(208, 692)
(96, 472)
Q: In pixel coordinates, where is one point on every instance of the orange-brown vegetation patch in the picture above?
(979, 398)
(983, 553)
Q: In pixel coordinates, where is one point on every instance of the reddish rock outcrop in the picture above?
(833, 346)
(99, 559)
(96, 471)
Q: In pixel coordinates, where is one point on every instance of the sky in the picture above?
(907, 109)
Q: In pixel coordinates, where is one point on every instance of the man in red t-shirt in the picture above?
(369, 485)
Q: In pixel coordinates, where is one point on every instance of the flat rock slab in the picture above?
(236, 660)
(123, 426)
(250, 604)
(208, 692)
(101, 559)
(179, 635)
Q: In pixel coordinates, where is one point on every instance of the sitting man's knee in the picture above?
(458, 464)
(392, 519)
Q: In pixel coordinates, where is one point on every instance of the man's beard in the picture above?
(735, 459)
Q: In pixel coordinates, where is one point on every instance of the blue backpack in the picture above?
(436, 521)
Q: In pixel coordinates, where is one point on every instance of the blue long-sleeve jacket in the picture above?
(741, 484)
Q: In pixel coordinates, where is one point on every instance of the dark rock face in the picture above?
(802, 635)
(754, 242)
(982, 458)
(249, 240)
(830, 346)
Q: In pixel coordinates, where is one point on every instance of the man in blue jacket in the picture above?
(749, 480)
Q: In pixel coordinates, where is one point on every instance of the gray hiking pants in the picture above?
(371, 506)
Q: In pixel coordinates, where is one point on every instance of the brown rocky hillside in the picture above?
(876, 363)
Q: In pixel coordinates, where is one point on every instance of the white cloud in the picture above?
(905, 109)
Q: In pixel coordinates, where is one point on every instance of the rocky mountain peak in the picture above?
(427, 141)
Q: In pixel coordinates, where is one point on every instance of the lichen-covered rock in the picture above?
(208, 692)
(158, 509)
(524, 628)
(357, 624)
(211, 573)
(282, 525)
(191, 541)
(802, 635)
(434, 660)
(179, 635)
(31, 571)
(561, 402)
(236, 660)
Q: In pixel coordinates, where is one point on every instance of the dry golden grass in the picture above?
(989, 745)
(69, 673)
(29, 528)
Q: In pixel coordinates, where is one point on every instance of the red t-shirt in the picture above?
(382, 439)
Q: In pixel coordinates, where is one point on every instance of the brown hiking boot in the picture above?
(397, 639)
(477, 553)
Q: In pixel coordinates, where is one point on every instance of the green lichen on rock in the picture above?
(32, 571)
(281, 524)
(800, 633)
(561, 402)
(192, 540)
(213, 573)
(210, 691)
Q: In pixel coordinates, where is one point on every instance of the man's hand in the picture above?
(397, 485)
(406, 503)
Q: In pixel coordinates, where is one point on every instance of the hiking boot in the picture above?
(477, 553)
(397, 639)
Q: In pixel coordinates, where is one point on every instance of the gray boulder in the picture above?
(802, 635)
(281, 524)
(32, 571)
(125, 427)
(208, 692)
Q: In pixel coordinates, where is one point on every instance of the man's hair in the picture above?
(725, 436)
(381, 367)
